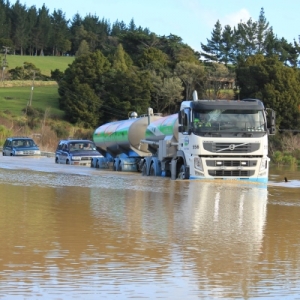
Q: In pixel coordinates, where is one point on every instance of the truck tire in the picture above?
(144, 170)
(181, 174)
(152, 170)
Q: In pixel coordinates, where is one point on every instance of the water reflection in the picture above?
(124, 236)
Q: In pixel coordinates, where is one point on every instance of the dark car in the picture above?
(21, 146)
(76, 152)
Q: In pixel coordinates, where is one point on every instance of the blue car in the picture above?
(20, 146)
(76, 152)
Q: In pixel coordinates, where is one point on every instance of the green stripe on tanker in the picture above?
(165, 126)
(123, 136)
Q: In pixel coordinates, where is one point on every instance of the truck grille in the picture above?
(231, 147)
(231, 173)
(231, 163)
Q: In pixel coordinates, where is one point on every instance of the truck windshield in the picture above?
(229, 121)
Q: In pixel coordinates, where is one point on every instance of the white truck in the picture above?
(206, 139)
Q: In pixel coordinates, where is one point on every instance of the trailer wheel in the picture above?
(117, 165)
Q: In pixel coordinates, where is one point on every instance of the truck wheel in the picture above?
(152, 170)
(181, 172)
(144, 170)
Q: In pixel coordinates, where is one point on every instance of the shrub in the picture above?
(62, 130)
(288, 159)
(277, 157)
(4, 133)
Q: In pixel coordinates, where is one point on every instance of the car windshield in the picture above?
(76, 146)
(23, 143)
(229, 120)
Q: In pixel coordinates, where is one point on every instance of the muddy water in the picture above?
(74, 232)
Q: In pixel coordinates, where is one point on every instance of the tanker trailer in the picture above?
(162, 141)
(120, 143)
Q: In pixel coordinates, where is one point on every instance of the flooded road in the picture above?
(70, 232)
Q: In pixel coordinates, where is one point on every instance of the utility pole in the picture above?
(32, 86)
(4, 63)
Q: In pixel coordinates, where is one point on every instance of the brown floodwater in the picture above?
(71, 232)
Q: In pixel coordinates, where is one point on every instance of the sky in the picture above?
(192, 20)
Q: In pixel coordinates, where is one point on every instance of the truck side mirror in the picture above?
(180, 128)
(271, 118)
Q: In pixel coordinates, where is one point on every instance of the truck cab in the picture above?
(225, 139)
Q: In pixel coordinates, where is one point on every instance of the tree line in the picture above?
(123, 67)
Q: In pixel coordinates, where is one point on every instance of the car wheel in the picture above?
(3, 153)
(67, 162)
(56, 160)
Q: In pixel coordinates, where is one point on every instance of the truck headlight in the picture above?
(76, 158)
(198, 163)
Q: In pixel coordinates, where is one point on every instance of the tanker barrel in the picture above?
(124, 137)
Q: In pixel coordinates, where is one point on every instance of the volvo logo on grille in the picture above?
(231, 147)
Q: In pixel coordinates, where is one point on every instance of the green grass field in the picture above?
(14, 99)
(15, 95)
(44, 63)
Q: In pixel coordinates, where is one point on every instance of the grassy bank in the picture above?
(14, 99)
(44, 63)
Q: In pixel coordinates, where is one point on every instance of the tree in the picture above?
(82, 87)
(153, 59)
(262, 32)
(213, 48)
(20, 26)
(82, 105)
(5, 28)
(165, 93)
(59, 33)
(26, 72)
(191, 75)
(275, 84)
(126, 91)
(32, 16)
(120, 59)
(227, 46)
(42, 30)
(83, 48)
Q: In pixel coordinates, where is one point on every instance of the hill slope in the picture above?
(44, 63)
